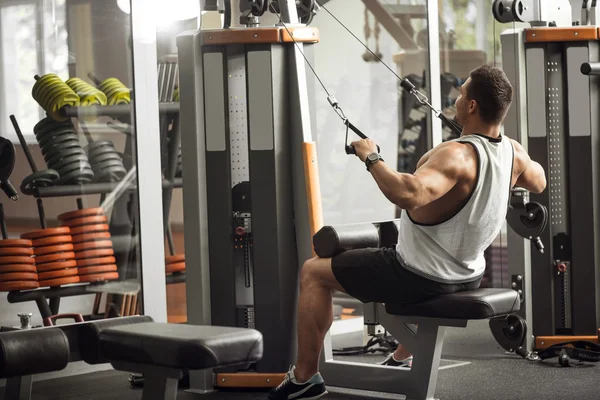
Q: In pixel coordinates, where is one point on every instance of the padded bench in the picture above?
(29, 352)
(418, 327)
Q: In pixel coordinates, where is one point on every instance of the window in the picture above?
(32, 41)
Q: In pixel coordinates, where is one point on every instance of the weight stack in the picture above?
(54, 257)
(17, 265)
(175, 264)
(92, 244)
(106, 162)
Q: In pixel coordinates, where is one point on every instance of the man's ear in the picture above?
(472, 106)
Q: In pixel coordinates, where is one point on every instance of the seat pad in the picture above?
(184, 347)
(473, 304)
(33, 351)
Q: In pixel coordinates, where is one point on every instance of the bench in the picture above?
(162, 352)
(418, 327)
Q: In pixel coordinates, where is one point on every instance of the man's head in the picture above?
(485, 97)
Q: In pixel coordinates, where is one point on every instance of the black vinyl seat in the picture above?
(473, 304)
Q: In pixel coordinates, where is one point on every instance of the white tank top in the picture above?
(452, 251)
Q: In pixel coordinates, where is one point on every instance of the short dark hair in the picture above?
(492, 91)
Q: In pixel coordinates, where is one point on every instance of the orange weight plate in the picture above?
(59, 273)
(17, 268)
(59, 248)
(89, 229)
(86, 212)
(98, 244)
(18, 276)
(177, 258)
(17, 260)
(69, 255)
(90, 237)
(60, 281)
(94, 253)
(15, 243)
(18, 285)
(96, 219)
(52, 266)
(97, 269)
(49, 241)
(88, 262)
(63, 230)
(177, 267)
(16, 251)
(109, 276)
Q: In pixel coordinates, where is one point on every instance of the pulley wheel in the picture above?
(18, 285)
(86, 212)
(46, 232)
(17, 260)
(4, 269)
(107, 276)
(18, 276)
(98, 269)
(509, 331)
(55, 265)
(259, 7)
(59, 281)
(306, 10)
(98, 261)
(15, 243)
(58, 273)
(51, 258)
(90, 237)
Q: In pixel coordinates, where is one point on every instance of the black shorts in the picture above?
(376, 275)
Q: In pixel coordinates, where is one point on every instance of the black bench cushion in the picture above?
(186, 347)
(88, 335)
(474, 304)
(33, 351)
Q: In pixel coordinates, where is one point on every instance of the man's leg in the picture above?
(315, 314)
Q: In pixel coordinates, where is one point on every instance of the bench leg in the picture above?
(18, 388)
(426, 362)
(159, 387)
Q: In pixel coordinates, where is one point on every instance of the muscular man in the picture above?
(454, 205)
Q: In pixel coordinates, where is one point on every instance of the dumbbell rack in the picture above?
(48, 299)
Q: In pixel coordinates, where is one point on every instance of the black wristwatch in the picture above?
(372, 159)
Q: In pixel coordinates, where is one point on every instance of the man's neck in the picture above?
(492, 131)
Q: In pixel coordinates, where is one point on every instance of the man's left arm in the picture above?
(443, 169)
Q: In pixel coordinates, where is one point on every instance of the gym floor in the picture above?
(490, 374)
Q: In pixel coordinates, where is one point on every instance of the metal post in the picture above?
(18, 388)
(435, 89)
(147, 154)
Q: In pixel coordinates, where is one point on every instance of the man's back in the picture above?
(444, 240)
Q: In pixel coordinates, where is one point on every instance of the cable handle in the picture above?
(350, 150)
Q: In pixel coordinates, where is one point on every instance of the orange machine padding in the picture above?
(260, 35)
(313, 187)
(567, 34)
(248, 380)
(543, 342)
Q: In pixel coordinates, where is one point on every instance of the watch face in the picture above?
(373, 157)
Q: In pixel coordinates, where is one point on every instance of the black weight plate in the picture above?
(101, 151)
(48, 124)
(49, 136)
(75, 166)
(99, 143)
(61, 149)
(55, 130)
(68, 160)
(110, 175)
(77, 176)
(51, 148)
(47, 177)
(105, 157)
(108, 165)
(52, 159)
(45, 142)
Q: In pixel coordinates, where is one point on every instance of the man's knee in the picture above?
(309, 271)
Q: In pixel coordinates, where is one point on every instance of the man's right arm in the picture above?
(533, 176)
